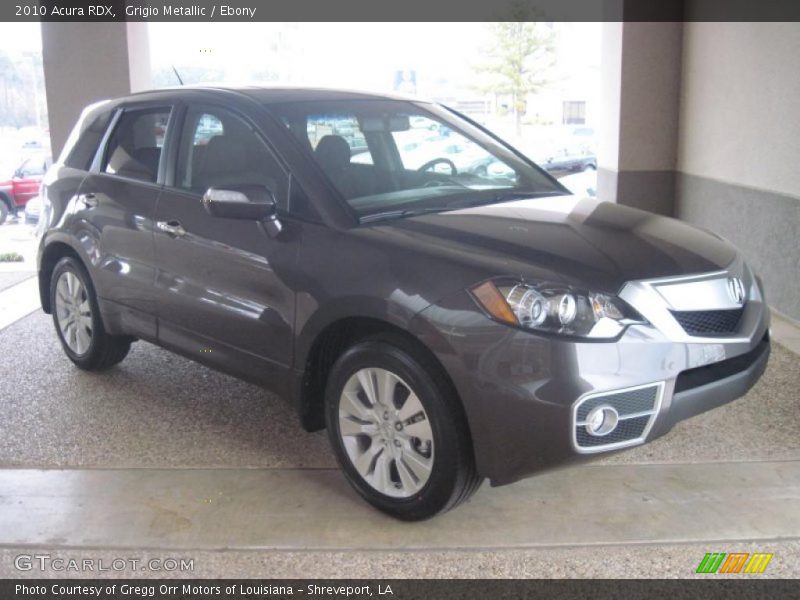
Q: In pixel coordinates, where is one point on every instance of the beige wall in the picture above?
(638, 129)
(637, 153)
(739, 146)
(740, 104)
(651, 59)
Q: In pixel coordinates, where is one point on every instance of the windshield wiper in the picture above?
(458, 205)
(401, 213)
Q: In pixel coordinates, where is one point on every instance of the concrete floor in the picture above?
(146, 434)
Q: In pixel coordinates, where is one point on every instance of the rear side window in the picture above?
(134, 149)
(82, 146)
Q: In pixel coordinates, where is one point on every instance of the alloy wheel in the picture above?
(73, 312)
(386, 432)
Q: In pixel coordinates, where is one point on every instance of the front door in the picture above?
(221, 283)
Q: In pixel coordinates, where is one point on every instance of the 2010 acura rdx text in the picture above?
(408, 280)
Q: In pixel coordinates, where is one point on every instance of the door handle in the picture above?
(171, 227)
(88, 200)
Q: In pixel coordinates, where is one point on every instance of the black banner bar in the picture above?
(399, 10)
(396, 589)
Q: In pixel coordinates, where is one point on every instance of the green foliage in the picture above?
(519, 61)
(11, 257)
(20, 78)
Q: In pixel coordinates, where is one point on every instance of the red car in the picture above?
(24, 185)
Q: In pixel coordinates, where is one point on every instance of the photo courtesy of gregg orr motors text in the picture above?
(184, 589)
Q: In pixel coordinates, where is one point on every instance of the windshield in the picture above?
(391, 158)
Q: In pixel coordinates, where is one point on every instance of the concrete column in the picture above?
(87, 62)
(641, 79)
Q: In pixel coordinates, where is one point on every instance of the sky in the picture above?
(20, 37)
(355, 55)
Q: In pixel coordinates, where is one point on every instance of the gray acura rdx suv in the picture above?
(445, 324)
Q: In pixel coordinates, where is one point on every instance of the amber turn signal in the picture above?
(493, 301)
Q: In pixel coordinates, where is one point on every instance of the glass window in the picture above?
(218, 148)
(207, 127)
(134, 149)
(574, 112)
(393, 158)
(430, 146)
(82, 144)
(341, 125)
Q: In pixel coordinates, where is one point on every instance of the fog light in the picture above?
(602, 420)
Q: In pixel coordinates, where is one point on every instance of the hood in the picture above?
(601, 245)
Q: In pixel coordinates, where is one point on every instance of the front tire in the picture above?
(3, 211)
(76, 316)
(397, 430)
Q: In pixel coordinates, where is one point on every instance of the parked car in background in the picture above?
(33, 209)
(444, 326)
(562, 160)
(23, 185)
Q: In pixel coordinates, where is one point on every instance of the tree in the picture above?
(519, 62)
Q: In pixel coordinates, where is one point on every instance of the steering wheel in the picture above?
(431, 163)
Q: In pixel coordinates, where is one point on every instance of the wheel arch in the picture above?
(329, 345)
(52, 253)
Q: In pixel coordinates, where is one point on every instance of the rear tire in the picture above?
(76, 316)
(398, 432)
(3, 212)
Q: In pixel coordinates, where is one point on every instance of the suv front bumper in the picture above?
(522, 391)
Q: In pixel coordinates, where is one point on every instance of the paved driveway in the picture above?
(163, 454)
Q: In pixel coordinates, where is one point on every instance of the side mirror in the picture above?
(249, 202)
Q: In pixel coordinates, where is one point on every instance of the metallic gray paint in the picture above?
(231, 296)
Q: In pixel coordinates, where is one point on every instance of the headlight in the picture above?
(554, 308)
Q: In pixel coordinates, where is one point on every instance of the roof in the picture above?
(280, 94)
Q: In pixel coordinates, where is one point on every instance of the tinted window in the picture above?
(392, 157)
(428, 142)
(342, 125)
(82, 145)
(134, 149)
(218, 148)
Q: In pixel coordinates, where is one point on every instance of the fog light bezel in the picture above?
(613, 444)
(607, 425)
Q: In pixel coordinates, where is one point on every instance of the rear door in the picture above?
(223, 284)
(117, 201)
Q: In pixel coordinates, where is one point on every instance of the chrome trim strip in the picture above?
(660, 385)
(648, 298)
(699, 294)
(636, 415)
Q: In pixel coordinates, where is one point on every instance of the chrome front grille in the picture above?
(637, 408)
(709, 322)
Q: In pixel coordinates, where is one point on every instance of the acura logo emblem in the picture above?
(736, 290)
